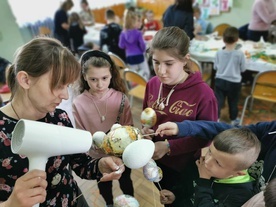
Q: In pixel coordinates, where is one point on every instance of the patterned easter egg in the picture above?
(148, 117)
(115, 142)
(125, 201)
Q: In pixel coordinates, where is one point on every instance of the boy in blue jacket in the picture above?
(221, 177)
(209, 129)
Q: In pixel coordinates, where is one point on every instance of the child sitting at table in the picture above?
(150, 22)
(229, 64)
(110, 33)
(76, 31)
(272, 32)
(221, 176)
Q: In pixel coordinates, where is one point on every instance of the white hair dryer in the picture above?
(39, 141)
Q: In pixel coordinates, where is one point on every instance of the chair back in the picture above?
(264, 86)
(209, 28)
(135, 84)
(45, 31)
(195, 65)
(221, 28)
(133, 77)
(121, 65)
(117, 60)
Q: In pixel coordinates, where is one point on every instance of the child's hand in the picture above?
(146, 130)
(168, 128)
(203, 172)
(161, 148)
(166, 197)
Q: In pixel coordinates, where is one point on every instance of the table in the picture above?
(205, 51)
(93, 33)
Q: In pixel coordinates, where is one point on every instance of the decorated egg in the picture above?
(125, 201)
(98, 138)
(159, 176)
(138, 153)
(115, 126)
(115, 142)
(151, 163)
(148, 117)
(152, 172)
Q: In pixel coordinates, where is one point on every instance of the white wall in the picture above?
(239, 15)
(11, 37)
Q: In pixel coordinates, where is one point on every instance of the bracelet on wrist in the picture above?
(168, 146)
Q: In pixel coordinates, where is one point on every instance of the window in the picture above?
(31, 11)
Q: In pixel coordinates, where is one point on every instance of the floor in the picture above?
(145, 191)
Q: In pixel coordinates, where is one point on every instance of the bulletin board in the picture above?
(213, 7)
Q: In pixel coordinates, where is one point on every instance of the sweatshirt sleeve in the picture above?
(121, 43)
(264, 14)
(242, 63)
(204, 193)
(141, 41)
(203, 129)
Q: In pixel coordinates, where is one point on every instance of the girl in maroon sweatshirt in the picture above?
(176, 93)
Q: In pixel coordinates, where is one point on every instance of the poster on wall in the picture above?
(213, 7)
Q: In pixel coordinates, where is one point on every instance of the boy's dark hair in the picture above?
(230, 35)
(270, 194)
(239, 141)
(109, 14)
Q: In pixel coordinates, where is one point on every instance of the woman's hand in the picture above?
(166, 197)
(111, 168)
(29, 190)
(168, 129)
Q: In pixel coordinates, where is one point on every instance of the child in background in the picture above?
(176, 93)
(202, 27)
(110, 34)
(101, 104)
(76, 31)
(150, 22)
(131, 40)
(223, 176)
(272, 32)
(86, 14)
(229, 64)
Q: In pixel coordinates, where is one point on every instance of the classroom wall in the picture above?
(11, 36)
(238, 16)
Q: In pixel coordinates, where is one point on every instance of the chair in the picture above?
(195, 65)
(263, 88)
(44, 31)
(118, 62)
(135, 84)
(221, 28)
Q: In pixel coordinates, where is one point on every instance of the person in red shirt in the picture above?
(150, 22)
